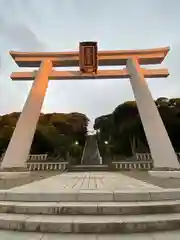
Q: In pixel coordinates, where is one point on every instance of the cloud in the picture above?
(21, 36)
(15, 36)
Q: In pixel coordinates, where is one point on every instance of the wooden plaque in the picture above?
(88, 57)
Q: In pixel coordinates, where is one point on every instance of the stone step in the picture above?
(91, 165)
(167, 235)
(90, 208)
(90, 224)
(17, 194)
(88, 168)
(91, 153)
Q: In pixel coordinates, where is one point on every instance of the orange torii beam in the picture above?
(101, 74)
(105, 58)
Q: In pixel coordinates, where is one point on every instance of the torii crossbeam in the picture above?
(88, 58)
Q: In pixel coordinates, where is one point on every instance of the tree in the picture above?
(126, 130)
(54, 134)
(105, 133)
(127, 119)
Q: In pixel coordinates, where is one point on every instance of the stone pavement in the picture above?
(146, 177)
(90, 202)
(9, 235)
(33, 176)
(85, 181)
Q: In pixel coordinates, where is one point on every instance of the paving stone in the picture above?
(165, 183)
(169, 194)
(90, 224)
(9, 235)
(8, 206)
(67, 187)
(69, 237)
(67, 181)
(98, 224)
(2, 195)
(151, 222)
(34, 176)
(131, 236)
(94, 196)
(78, 208)
(42, 223)
(171, 235)
(165, 174)
(90, 208)
(137, 208)
(12, 235)
(39, 197)
(35, 207)
(12, 221)
(131, 196)
(70, 196)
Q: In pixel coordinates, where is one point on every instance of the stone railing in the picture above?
(50, 166)
(39, 162)
(143, 156)
(37, 157)
(139, 165)
(32, 157)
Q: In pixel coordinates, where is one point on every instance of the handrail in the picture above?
(140, 165)
(53, 166)
(148, 156)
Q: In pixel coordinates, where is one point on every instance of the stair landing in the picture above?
(75, 182)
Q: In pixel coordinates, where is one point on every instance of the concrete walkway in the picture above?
(9, 235)
(77, 181)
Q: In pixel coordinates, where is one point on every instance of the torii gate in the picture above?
(88, 58)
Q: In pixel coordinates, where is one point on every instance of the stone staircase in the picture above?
(91, 155)
(91, 211)
(91, 159)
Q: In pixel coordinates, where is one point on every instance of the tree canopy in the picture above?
(55, 133)
(124, 131)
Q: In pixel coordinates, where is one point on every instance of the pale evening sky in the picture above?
(59, 25)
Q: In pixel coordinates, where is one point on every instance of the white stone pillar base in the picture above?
(165, 174)
(14, 175)
(14, 169)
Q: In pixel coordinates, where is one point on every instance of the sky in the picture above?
(59, 25)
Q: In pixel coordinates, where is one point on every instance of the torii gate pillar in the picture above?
(21, 140)
(158, 140)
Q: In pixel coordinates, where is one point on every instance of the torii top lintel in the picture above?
(105, 58)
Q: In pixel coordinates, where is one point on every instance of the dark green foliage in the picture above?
(124, 131)
(55, 133)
